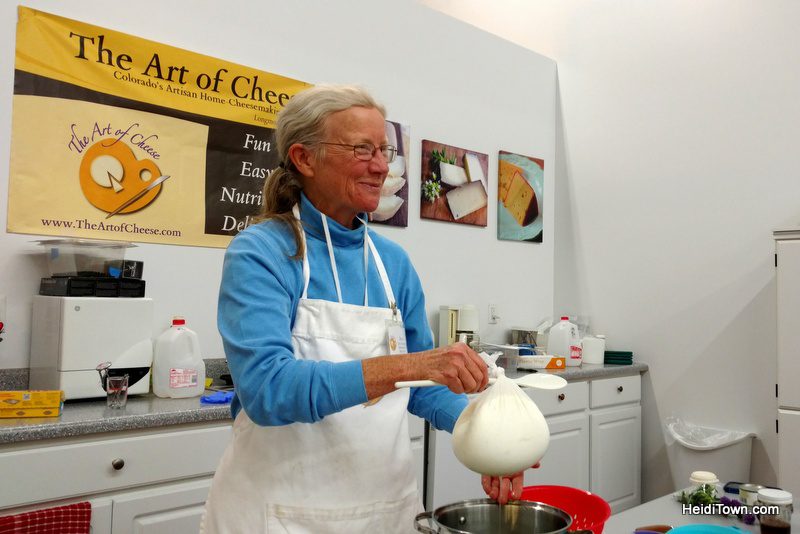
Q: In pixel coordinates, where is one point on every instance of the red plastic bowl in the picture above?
(588, 511)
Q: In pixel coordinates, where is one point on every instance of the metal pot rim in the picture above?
(475, 502)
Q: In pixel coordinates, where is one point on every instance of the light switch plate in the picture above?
(493, 314)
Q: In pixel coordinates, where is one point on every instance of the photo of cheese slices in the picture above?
(516, 194)
(455, 184)
(393, 205)
(520, 181)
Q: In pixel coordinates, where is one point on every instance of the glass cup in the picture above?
(117, 391)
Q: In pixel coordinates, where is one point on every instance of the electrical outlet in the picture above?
(493, 314)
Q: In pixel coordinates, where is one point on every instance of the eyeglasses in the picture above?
(366, 151)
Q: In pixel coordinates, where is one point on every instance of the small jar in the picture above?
(703, 478)
(748, 493)
(781, 521)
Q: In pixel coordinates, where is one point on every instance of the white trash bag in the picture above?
(702, 438)
(501, 432)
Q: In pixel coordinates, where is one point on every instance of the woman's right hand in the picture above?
(456, 366)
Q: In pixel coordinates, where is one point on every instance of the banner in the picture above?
(117, 137)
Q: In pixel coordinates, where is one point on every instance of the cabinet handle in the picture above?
(561, 396)
(117, 463)
(619, 389)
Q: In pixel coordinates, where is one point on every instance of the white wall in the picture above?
(444, 78)
(677, 139)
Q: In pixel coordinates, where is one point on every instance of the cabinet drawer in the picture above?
(610, 391)
(67, 468)
(573, 397)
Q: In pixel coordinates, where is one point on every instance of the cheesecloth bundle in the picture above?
(501, 431)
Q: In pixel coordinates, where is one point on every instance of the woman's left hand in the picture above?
(503, 488)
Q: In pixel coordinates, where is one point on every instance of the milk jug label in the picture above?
(575, 352)
(182, 378)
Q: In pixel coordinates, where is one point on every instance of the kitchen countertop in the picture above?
(667, 511)
(91, 416)
(589, 371)
(84, 417)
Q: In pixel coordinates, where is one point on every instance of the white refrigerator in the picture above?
(787, 262)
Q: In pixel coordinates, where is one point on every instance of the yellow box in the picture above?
(7, 413)
(25, 399)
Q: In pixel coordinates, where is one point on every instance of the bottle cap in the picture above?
(178, 320)
(774, 496)
(565, 318)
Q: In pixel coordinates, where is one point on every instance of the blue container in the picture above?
(525, 349)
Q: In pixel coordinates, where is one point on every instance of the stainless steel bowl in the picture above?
(484, 516)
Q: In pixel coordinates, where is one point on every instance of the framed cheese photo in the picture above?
(455, 184)
(520, 197)
(393, 206)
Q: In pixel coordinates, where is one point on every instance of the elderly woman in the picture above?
(314, 311)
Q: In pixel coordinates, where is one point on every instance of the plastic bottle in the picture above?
(563, 340)
(178, 367)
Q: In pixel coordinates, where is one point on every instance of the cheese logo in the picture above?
(114, 181)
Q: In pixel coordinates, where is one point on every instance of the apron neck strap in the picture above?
(387, 287)
(368, 247)
(334, 271)
(366, 261)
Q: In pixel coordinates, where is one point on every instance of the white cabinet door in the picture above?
(616, 456)
(87, 466)
(418, 455)
(168, 509)
(566, 462)
(101, 515)
(788, 323)
(448, 480)
(788, 457)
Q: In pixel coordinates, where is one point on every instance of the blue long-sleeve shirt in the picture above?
(260, 290)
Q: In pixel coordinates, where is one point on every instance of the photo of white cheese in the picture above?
(392, 185)
(387, 207)
(474, 169)
(453, 174)
(467, 199)
(398, 166)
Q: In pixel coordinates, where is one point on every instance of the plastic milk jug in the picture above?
(563, 341)
(178, 367)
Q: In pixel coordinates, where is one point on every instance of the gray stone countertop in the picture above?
(83, 417)
(589, 371)
(80, 418)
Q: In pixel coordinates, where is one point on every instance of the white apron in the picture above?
(351, 472)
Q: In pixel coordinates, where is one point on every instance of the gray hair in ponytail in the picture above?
(303, 121)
